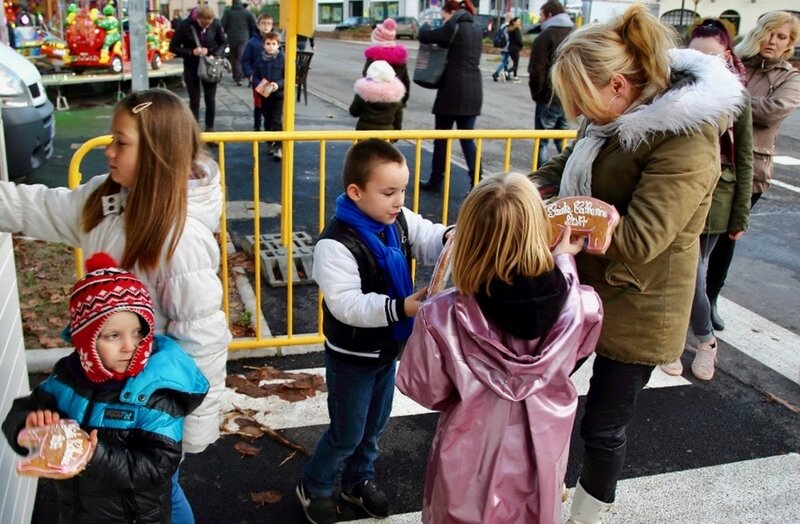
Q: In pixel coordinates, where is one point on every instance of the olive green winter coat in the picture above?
(659, 172)
(730, 204)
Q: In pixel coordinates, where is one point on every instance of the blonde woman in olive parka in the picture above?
(648, 145)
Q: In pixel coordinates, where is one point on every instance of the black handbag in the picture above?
(211, 68)
(431, 63)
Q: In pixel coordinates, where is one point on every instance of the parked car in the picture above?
(407, 26)
(353, 22)
(28, 122)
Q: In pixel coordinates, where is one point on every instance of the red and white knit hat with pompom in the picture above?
(385, 33)
(105, 290)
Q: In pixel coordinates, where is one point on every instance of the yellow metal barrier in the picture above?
(324, 138)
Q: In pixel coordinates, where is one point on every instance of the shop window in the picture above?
(330, 13)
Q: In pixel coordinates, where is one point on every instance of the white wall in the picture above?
(16, 493)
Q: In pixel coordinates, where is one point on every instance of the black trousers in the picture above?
(193, 85)
(513, 52)
(720, 260)
(272, 112)
(610, 403)
(235, 57)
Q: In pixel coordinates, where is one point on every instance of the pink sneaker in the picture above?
(673, 368)
(705, 359)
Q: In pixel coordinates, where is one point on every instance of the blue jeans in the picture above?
(549, 117)
(613, 390)
(359, 405)
(439, 146)
(700, 319)
(503, 62)
(181, 510)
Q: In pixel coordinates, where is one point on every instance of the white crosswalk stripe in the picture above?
(760, 490)
(282, 414)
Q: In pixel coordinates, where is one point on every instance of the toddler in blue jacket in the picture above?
(126, 386)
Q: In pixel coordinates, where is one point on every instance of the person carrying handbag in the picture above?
(459, 96)
(211, 40)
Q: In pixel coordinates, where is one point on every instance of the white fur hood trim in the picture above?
(711, 93)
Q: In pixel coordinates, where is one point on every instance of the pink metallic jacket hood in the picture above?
(511, 367)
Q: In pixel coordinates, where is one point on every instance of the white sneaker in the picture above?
(278, 153)
(705, 359)
(673, 368)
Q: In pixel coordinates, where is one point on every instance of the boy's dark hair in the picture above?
(264, 17)
(362, 158)
(272, 35)
(552, 8)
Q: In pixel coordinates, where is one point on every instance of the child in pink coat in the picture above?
(494, 355)
(385, 47)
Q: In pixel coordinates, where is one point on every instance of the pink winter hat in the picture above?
(385, 33)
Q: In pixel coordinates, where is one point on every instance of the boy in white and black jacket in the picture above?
(362, 265)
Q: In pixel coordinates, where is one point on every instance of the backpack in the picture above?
(500, 38)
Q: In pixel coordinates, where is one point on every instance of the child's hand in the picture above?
(412, 302)
(92, 443)
(567, 244)
(42, 417)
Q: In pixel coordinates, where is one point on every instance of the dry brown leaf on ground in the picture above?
(266, 497)
(247, 450)
(247, 426)
(266, 373)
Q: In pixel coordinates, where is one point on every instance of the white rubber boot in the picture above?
(586, 509)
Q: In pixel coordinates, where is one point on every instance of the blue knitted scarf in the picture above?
(389, 256)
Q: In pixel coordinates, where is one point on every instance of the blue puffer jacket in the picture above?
(140, 427)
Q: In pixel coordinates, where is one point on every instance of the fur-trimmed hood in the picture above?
(395, 55)
(372, 91)
(703, 91)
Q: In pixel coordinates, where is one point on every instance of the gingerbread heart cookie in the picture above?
(584, 215)
(57, 451)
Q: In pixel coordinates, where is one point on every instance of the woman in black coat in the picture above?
(460, 95)
(212, 42)
(514, 45)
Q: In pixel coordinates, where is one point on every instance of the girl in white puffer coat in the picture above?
(156, 211)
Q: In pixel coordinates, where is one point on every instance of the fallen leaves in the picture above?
(293, 387)
(266, 497)
(241, 422)
(247, 450)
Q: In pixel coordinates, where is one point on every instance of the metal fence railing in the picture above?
(525, 143)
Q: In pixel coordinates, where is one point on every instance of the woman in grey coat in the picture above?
(460, 95)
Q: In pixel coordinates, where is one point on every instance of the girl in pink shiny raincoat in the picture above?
(494, 355)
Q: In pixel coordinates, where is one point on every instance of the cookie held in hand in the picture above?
(57, 451)
(441, 271)
(586, 216)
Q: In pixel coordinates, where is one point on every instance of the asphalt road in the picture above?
(692, 444)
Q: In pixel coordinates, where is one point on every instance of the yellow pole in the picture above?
(288, 150)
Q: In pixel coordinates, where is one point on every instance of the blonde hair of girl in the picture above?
(635, 46)
(766, 25)
(502, 231)
(156, 206)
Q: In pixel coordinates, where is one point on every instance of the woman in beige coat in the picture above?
(647, 145)
(774, 86)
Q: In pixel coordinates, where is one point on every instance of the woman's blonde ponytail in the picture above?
(648, 42)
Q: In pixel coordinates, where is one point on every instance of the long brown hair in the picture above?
(157, 202)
